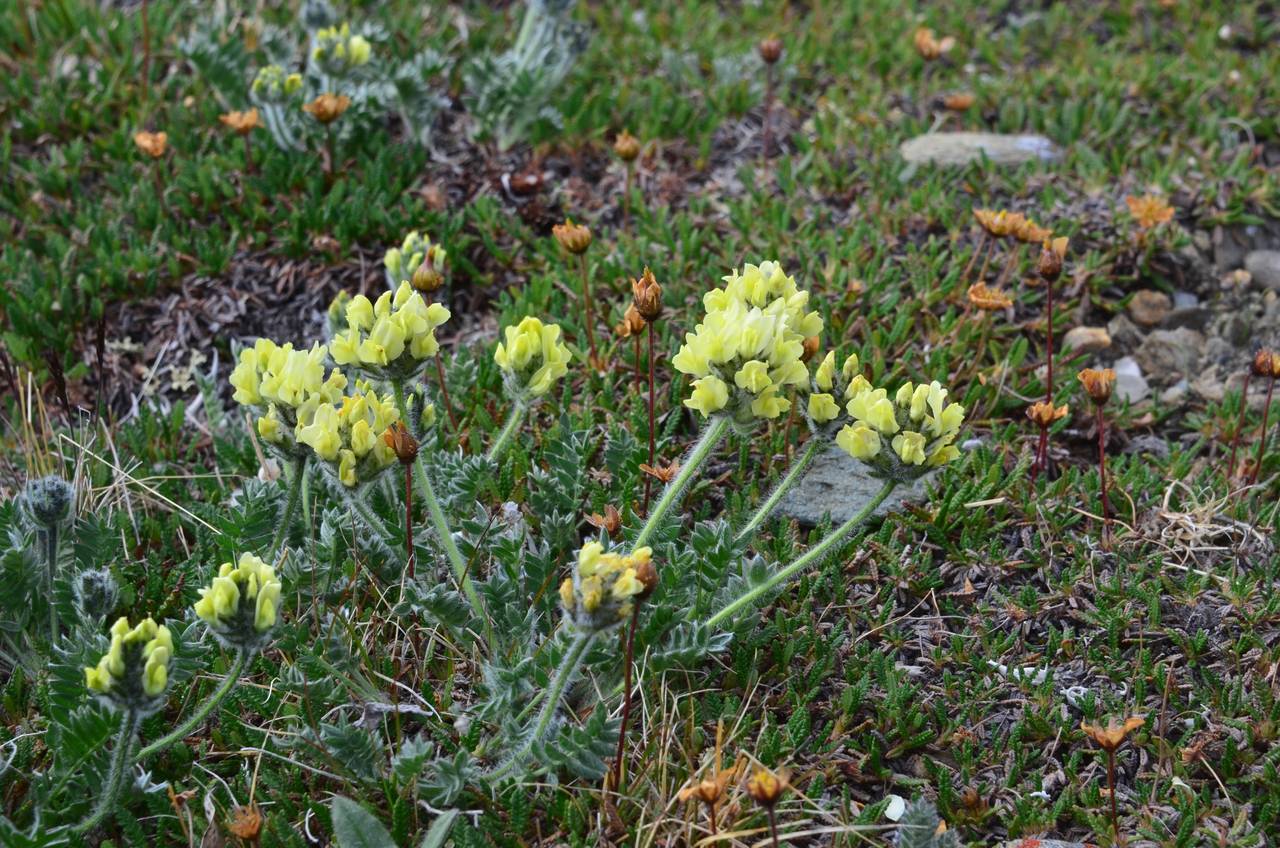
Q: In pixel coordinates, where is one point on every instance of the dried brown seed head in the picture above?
(989, 299)
(154, 144)
(328, 107)
(626, 146)
(766, 787)
(242, 123)
(809, 348)
(1043, 413)
(632, 324)
(1052, 254)
(610, 522)
(574, 238)
(397, 438)
(1112, 736)
(647, 296)
(1098, 383)
(770, 50)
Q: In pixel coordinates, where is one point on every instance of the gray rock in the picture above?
(1233, 243)
(839, 485)
(1176, 393)
(1086, 339)
(1185, 300)
(962, 148)
(1169, 355)
(1264, 266)
(1148, 443)
(1149, 307)
(1131, 386)
(1125, 335)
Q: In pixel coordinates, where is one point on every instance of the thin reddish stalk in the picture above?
(986, 260)
(408, 516)
(586, 301)
(1235, 437)
(248, 155)
(648, 480)
(639, 364)
(1262, 439)
(626, 197)
(773, 826)
(767, 141)
(982, 242)
(626, 700)
(1102, 476)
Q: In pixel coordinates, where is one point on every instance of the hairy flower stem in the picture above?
(1262, 437)
(508, 430)
(297, 473)
(408, 519)
(626, 699)
(1235, 437)
(810, 557)
(49, 539)
(648, 481)
(115, 775)
(586, 305)
(441, 527)
(1102, 477)
(711, 436)
(784, 485)
(555, 691)
(181, 731)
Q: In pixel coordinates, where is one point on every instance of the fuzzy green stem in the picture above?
(706, 443)
(441, 527)
(50, 537)
(809, 557)
(296, 473)
(181, 731)
(119, 767)
(793, 475)
(555, 691)
(509, 429)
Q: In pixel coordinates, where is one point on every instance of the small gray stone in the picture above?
(1232, 243)
(1125, 335)
(1168, 355)
(1086, 339)
(838, 485)
(1148, 443)
(1264, 266)
(1176, 393)
(1185, 300)
(962, 148)
(1149, 307)
(1131, 386)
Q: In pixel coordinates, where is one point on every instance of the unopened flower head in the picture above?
(414, 252)
(154, 144)
(605, 586)
(134, 672)
(242, 123)
(904, 436)
(241, 605)
(574, 238)
(1098, 383)
(626, 146)
(348, 438)
(390, 338)
(273, 85)
(96, 593)
(532, 358)
(46, 501)
(830, 389)
(749, 346)
(337, 52)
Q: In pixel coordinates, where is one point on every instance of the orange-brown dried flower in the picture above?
(1052, 255)
(1149, 210)
(242, 123)
(610, 522)
(990, 299)
(647, 574)
(632, 323)
(246, 823)
(328, 107)
(1112, 736)
(770, 50)
(959, 101)
(931, 47)
(154, 144)
(1098, 383)
(1029, 232)
(809, 348)
(1266, 363)
(663, 473)
(1043, 413)
(575, 238)
(646, 294)
(398, 438)
(766, 787)
(626, 146)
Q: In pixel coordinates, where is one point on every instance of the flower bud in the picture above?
(134, 672)
(809, 348)
(427, 278)
(626, 146)
(632, 324)
(647, 574)
(646, 294)
(96, 593)
(47, 501)
(574, 238)
(1266, 363)
(770, 50)
(1052, 255)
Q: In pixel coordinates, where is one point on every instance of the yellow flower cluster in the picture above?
(750, 345)
(532, 357)
(379, 333)
(831, 387)
(348, 436)
(273, 85)
(290, 383)
(604, 585)
(241, 603)
(918, 425)
(148, 645)
(338, 51)
(416, 248)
